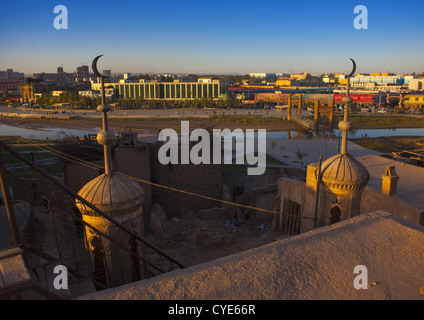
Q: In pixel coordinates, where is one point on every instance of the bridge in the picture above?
(320, 111)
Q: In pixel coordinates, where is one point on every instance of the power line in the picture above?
(97, 167)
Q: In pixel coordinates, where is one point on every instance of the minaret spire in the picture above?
(104, 137)
(346, 125)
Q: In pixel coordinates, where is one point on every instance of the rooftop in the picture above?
(314, 265)
(410, 187)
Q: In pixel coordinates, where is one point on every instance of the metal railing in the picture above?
(50, 230)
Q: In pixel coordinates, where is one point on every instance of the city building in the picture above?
(60, 76)
(9, 74)
(361, 80)
(83, 70)
(107, 73)
(300, 76)
(52, 77)
(416, 84)
(154, 90)
(58, 93)
(93, 94)
(414, 101)
(10, 88)
(264, 75)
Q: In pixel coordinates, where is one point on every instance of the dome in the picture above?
(114, 194)
(342, 173)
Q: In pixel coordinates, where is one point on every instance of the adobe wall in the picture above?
(298, 192)
(373, 200)
(135, 162)
(202, 179)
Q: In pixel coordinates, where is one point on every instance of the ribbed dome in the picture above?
(114, 194)
(343, 172)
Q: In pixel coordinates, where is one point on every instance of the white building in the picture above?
(378, 79)
(262, 75)
(416, 84)
(93, 94)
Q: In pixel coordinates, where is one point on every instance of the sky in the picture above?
(213, 37)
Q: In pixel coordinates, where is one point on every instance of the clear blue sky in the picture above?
(213, 36)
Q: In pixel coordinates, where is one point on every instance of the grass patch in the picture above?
(31, 153)
(249, 119)
(388, 120)
(391, 144)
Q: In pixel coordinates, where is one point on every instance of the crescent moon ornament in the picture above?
(94, 67)
(353, 69)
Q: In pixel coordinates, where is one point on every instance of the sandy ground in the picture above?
(139, 126)
(194, 241)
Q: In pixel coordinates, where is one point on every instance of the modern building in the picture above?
(414, 101)
(300, 76)
(93, 94)
(9, 74)
(107, 73)
(379, 79)
(154, 90)
(10, 87)
(262, 75)
(416, 84)
(83, 70)
(60, 76)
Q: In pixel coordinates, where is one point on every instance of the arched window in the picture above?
(335, 214)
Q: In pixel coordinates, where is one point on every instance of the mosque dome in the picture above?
(114, 194)
(343, 173)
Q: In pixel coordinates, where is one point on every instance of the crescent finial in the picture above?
(94, 67)
(353, 69)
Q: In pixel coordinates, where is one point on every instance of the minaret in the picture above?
(120, 198)
(346, 125)
(343, 175)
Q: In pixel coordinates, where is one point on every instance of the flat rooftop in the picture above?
(314, 265)
(411, 178)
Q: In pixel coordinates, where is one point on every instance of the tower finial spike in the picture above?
(346, 125)
(104, 137)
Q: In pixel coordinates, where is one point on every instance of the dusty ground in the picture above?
(193, 241)
(152, 126)
(391, 144)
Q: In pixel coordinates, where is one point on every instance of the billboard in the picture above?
(355, 97)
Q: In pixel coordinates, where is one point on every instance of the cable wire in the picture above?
(97, 167)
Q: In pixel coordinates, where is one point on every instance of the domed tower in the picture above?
(120, 198)
(342, 174)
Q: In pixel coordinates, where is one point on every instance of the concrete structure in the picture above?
(52, 77)
(262, 75)
(153, 90)
(413, 101)
(380, 79)
(9, 74)
(93, 94)
(317, 265)
(10, 88)
(416, 84)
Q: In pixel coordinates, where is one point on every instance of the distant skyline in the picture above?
(216, 37)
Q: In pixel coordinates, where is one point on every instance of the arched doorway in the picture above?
(335, 214)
